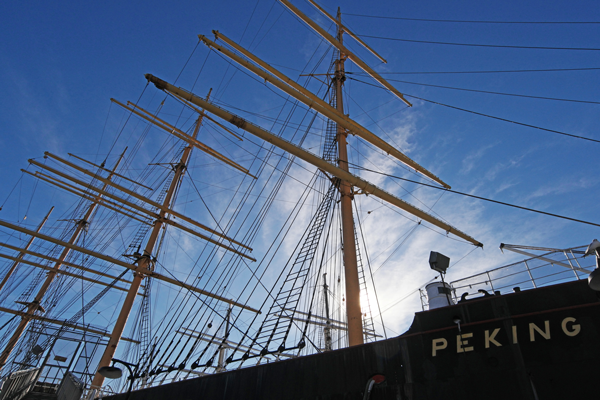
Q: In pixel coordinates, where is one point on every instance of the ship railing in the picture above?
(558, 266)
(17, 384)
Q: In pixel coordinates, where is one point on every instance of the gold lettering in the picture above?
(491, 339)
(514, 334)
(462, 343)
(438, 344)
(575, 329)
(534, 328)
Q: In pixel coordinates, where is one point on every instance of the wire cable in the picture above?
(488, 92)
(505, 119)
(480, 72)
(483, 45)
(491, 116)
(479, 197)
(473, 21)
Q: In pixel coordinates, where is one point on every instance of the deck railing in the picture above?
(549, 268)
(17, 384)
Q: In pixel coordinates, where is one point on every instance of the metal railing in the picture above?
(17, 384)
(549, 268)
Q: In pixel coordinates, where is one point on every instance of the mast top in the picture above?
(348, 54)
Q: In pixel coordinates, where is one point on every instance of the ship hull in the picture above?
(536, 344)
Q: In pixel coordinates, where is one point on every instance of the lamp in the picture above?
(113, 372)
(438, 262)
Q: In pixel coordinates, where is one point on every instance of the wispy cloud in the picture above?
(565, 186)
(469, 162)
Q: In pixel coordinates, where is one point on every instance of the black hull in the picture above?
(556, 356)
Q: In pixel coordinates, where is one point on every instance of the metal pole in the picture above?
(571, 264)
(531, 276)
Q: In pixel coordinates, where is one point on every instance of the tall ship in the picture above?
(223, 250)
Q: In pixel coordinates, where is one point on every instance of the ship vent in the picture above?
(439, 295)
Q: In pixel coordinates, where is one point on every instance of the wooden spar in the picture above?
(346, 30)
(22, 251)
(114, 173)
(65, 263)
(133, 194)
(122, 264)
(353, 309)
(35, 305)
(214, 121)
(80, 192)
(309, 157)
(345, 51)
(103, 203)
(193, 107)
(139, 111)
(141, 209)
(178, 133)
(61, 272)
(304, 95)
(197, 110)
(59, 322)
(145, 265)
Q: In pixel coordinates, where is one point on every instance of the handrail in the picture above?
(17, 384)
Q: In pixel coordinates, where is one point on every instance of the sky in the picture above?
(62, 61)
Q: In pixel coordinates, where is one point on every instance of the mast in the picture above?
(35, 305)
(145, 261)
(354, 314)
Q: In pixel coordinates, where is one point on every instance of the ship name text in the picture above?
(464, 341)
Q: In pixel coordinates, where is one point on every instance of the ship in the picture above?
(209, 250)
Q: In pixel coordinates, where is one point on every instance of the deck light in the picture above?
(438, 262)
(113, 372)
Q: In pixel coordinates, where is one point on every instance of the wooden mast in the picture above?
(145, 262)
(354, 314)
(35, 305)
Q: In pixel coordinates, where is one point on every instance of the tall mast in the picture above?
(354, 315)
(35, 305)
(145, 262)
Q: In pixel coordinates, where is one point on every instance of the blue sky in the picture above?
(62, 62)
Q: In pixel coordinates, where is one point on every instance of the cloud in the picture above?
(469, 162)
(565, 186)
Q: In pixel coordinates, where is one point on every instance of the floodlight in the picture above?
(438, 262)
